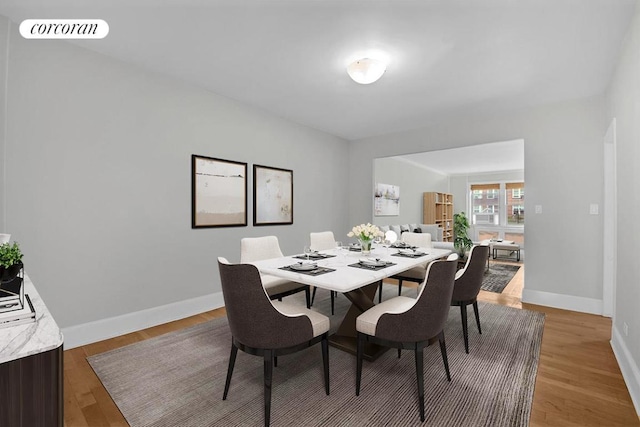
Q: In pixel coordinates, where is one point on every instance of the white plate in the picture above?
(304, 266)
(372, 262)
(406, 251)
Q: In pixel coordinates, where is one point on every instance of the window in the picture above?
(483, 204)
(498, 204)
(515, 203)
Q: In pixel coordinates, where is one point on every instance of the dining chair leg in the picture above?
(325, 361)
(275, 361)
(232, 362)
(333, 296)
(475, 310)
(313, 296)
(268, 373)
(307, 294)
(380, 292)
(420, 376)
(399, 287)
(360, 343)
(443, 350)
(465, 332)
(399, 353)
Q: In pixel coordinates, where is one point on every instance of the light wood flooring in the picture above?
(578, 383)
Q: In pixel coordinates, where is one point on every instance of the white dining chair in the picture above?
(322, 241)
(267, 247)
(417, 273)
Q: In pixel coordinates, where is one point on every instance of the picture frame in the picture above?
(386, 200)
(218, 192)
(272, 196)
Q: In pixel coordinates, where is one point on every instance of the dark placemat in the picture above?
(413, 255)
(401, 246)
(314, 256)
(372, 267)
(316, 272)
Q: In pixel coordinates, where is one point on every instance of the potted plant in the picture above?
(10, 261)
(461, 241)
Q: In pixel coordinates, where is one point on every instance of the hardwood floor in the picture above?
(578, 383)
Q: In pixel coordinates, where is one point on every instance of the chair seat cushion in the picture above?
(413, 274)
(275, 285)
(319, 322)
(367, 321)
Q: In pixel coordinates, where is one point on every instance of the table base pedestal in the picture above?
(345, 337)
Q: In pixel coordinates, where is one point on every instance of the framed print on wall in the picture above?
(386, 200)
(218, 192)
(272, 196)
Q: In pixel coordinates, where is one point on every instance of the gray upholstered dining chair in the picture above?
(417, 273)
(323, 241)
(407, 323)
(267, 247)
(267, 328)
(467, 286)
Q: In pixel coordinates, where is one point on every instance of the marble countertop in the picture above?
(25, 340)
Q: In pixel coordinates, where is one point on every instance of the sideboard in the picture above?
(31, 369)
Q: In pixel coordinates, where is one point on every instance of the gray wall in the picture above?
(625, 107)
(413, 181)
(4, 27)
(563, 153)
(98, 186)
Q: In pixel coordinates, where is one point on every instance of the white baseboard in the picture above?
(628, 367)
(565, 302)
(87, 333)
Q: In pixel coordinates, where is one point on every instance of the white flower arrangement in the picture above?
(365, 232)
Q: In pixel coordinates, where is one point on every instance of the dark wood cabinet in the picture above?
(31, 390)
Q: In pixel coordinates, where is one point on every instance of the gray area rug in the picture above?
(177, 379)
(498, 277)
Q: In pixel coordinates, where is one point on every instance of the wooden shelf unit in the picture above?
(437, 208)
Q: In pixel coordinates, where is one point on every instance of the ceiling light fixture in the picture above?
(366, 70)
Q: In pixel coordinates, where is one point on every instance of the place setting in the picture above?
(309, 268)
(310, 254)
(372, 264)
(410, 253)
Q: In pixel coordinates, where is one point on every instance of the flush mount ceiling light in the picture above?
(366, 70)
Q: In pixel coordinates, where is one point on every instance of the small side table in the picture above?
(512, 248)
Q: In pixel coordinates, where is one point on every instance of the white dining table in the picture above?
(358, 284)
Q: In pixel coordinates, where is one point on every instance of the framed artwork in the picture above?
(218, 192)
(386, 200)
(272, 196)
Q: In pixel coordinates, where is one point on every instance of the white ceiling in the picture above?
(289, 56)
(476, 159)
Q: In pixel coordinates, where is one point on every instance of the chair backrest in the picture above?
(322, 241)
(422, 240)
(259, 248)
(253, 320)
(467, 285)
(426, 318)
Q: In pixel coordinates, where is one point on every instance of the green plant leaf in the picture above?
(10, 254)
